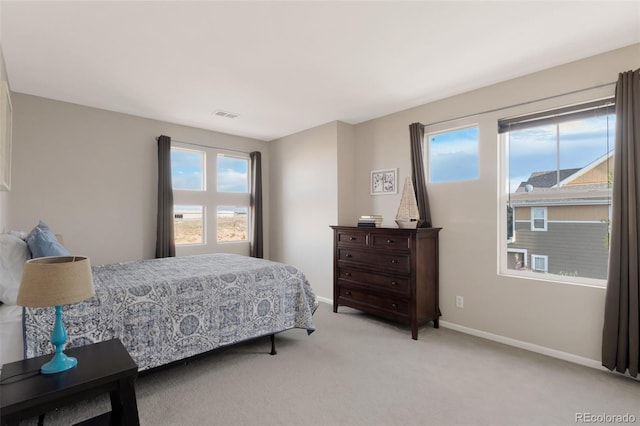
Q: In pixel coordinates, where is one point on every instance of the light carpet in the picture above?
(359, 370)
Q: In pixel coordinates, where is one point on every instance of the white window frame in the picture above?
(503, 185)
(524, 253)
(536, 257)
(203, 165)
(545, 217)
(447, 127)
(210, 199)
(232, 199)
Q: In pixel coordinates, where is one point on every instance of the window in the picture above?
(452, 155)
(211, 196)
(233, 187)
(539, 263)
(538, 218)
(232, 223)
(187, 169)
(557, 169)
(188, 224)
(233, 175)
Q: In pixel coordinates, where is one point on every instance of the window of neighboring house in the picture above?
(557, 169)
(538, 218)
(452, 155)
(205, 180)
(517, 259)
(539, 263)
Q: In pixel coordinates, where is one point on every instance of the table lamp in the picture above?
(56, 281)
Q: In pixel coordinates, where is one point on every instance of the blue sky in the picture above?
(581, 143)
(454, 155)
(188, 171)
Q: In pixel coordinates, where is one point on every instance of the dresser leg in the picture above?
(436, 323)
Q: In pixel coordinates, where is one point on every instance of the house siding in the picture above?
(559, 243)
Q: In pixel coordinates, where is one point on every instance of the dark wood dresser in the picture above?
(389, 272)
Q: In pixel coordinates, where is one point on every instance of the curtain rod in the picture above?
(517, 105)
(209, 146)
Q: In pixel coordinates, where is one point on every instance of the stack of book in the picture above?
(373, 221)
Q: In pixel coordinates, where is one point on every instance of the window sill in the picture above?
(556, 279)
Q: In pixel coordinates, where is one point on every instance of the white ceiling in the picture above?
(288, 66)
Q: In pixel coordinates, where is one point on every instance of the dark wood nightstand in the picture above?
(102, 367)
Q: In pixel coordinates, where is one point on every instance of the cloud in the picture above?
(232, 181)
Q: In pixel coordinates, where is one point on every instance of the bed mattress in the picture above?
(164, 310)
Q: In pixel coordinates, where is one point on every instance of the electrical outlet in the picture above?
(459, 302)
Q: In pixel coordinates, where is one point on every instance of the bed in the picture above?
(167, 310)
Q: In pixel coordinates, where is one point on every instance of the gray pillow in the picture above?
(43, 242)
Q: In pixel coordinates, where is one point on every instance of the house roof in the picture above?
(546, 179)
(548, 190)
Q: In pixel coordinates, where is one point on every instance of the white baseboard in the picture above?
(588, 362)
(324, 300)
(565, 356)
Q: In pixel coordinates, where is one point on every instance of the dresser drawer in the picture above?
(352, 238)
(392, 262)
(396, 306)
(375, 281)
(390, 241)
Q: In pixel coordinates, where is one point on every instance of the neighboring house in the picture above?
(554, 212)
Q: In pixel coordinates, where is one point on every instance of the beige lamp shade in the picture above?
(55, 281)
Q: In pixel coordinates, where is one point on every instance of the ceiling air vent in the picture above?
(225, 114)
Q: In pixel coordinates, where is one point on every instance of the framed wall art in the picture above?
(6, 114)
(384, 181)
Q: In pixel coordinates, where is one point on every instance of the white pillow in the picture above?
(13, 253)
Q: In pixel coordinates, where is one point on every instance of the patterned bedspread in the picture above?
(164, 310)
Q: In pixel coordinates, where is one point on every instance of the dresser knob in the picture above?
(348, 293)
(394, 305)
(347, 274)
(352, 238)
(394, 283)
(348, 255)
(394, 261)
(389, 241)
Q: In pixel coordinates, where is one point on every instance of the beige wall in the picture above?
(92, 175)
(304, 182)
(347, 211)
(562, 317)
(4, 196)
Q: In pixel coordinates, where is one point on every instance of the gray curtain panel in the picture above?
(256, 243)
(416, 131)
(165, 237)
(621, 332)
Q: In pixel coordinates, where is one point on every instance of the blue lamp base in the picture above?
(60, 362)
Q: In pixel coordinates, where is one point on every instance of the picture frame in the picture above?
(6, 117)
(384, 182)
